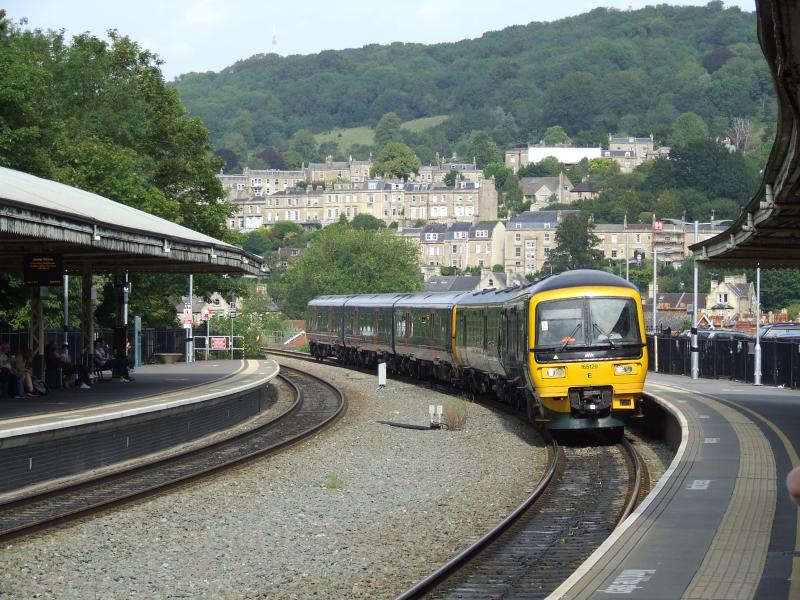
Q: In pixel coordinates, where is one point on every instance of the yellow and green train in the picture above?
(569, 350)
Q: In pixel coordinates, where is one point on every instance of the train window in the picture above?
(613, 319)
(560, 322)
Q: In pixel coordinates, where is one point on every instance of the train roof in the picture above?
(432, 299)
(492, 296)
(581, 278)
(331, 300)
(375, 299)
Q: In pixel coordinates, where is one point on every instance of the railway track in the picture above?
(317, 404)
(585, 493)
(536, 548)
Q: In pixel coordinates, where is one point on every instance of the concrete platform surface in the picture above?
(154, 387)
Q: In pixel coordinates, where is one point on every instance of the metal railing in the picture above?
(728, 359)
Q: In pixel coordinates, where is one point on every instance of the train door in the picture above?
(357, 331)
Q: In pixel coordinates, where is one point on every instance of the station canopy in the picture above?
(767, 233)
(93, 234)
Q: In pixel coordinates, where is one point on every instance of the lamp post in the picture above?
(695, 350)
(757, 356)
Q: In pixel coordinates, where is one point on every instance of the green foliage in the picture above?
(447, 271)
(396, 159)
(549, 166)
(345, 260)
(555, 135)
(474, 271)
(779, 288)
(575, 247)
(511, 199)
(483, 149)
(499, 171)
(498, 269)
(451, 177)
(687, 128)
(387, 130)
(614, 71)
(304, 144)
(367, 221)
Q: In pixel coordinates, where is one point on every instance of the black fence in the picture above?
(153, 341)
(728, 359)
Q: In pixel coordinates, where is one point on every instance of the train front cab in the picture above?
(588, 360)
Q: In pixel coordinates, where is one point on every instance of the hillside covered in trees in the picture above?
(606, 71)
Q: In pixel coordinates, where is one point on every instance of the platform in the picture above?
(719, 524)
(74, 431)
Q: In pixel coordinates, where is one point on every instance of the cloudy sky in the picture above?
(208, 35)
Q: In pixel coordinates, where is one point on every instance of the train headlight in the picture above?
(623, 370)
(554, 372)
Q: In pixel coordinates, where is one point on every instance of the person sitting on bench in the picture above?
(103, 361)
(8, 382)
(53, 359)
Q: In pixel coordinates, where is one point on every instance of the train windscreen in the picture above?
(605, 327)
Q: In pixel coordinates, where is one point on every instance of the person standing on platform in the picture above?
(793, 484)
(104, 361)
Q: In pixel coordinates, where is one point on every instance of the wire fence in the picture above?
(728, 359)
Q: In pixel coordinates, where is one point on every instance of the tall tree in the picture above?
(346, 260)
(575, 247)
(388, 130)
(483, 150)
(555, 135)
(396, 159)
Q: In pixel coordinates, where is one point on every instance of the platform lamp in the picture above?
(757, 355)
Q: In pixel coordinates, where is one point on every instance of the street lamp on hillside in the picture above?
(695, 349)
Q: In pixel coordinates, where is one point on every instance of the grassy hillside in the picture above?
(606, 71)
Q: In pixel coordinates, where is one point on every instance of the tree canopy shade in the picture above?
(575, 247)
(396, 159)
(345, 260)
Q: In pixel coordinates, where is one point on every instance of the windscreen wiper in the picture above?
(569, 338)
(605, 333)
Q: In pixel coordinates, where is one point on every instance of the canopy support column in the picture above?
(36, 332)
(87, 317)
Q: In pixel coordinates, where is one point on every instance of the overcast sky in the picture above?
(209, 35)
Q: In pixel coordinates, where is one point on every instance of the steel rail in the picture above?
(72, 502)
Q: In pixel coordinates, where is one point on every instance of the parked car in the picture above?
(719, 334)
(781, 331)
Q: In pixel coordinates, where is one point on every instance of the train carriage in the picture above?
(423, 334)
(368, 327)
(325, 325)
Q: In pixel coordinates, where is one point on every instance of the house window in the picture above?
(517, 252)
(546, 237)
(613, 238)
(546, 252)
(638, 238)
(431, 237)
(454, 249)
(517, 237)
(239, 187)
(255, 182)
(722, 298)
(482, 233)
(613, 254)
(477, 248)
(480, 262)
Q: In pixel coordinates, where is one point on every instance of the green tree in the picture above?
(555, 135)
(344, 260)
(549, 166)
(304, 143)
(367, 221)
(396, 159)
(575, 247)
(292, 159)
(483, 150)
(388, 130)
(451, 177)
(687, 128)
(499, 171)
(513, 202)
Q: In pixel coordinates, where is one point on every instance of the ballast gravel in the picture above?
(362, 510)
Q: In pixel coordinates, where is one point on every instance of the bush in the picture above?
(455, 414)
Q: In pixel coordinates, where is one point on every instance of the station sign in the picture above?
(43, 269)
(218, 343)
